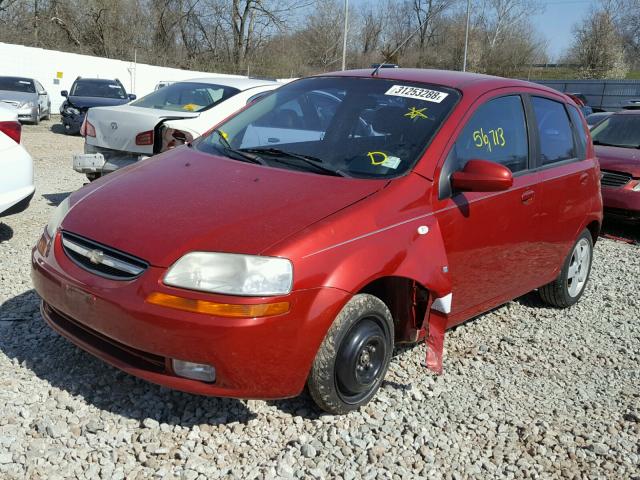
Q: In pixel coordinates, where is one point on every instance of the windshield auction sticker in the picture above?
(417, 93)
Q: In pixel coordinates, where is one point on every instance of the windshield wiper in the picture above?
(307, 159)
(244, 156)
(604, 144)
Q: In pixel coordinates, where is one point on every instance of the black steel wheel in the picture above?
(354, 356)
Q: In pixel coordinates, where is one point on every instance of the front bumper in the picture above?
(28, 114)
(72, 123)
(254, 357)
(622, 202)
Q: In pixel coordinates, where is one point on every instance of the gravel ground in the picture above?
(528, 391)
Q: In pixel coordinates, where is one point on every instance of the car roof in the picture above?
(630, 111)
(17, 78)
(241, 83)
(97, 80)
(463, 81)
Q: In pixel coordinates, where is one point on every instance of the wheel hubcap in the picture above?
(361, 360)
(578, 267)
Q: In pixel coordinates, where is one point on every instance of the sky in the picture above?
(556, 21)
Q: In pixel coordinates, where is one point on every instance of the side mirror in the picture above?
(132, 96)
(64, 93)
(482, 176)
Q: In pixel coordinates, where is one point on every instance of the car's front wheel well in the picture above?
(407, 301)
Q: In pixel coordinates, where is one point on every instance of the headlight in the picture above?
(636, 187)
(26, 105)
(71, 111)
(57, 217)
(232, 274)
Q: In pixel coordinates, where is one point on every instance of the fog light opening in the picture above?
(194, 371)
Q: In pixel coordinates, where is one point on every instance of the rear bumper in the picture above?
(16, 179)
(112, 159)
(254, 357)
(621, 202)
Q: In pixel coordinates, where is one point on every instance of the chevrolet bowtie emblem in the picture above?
(114, 126)
(95, 256)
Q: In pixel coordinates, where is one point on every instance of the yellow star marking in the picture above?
(416, 113)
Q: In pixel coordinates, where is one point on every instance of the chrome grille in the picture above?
(614, 179)
(13, 103)
(100, 259)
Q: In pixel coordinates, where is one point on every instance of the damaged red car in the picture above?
(303, 237)
(617, 143)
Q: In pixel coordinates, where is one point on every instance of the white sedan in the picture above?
(16, 165)
(168, 117)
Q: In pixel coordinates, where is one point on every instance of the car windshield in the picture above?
(98, 88)
(186, 97)
(618, 131)
(17, 84)
(356, 127)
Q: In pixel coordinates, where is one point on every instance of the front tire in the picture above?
(36, 120)
(354, 356)
(567, 289)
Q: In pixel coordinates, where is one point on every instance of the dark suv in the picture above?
(90, 92)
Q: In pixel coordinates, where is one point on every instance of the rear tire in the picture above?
(567, 289)
(354, 356)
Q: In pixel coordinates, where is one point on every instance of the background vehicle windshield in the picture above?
(17, 84)
(98, 88)
(186, 97)
(360, 127)
(618, 130)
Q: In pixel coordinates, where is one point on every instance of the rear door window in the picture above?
(554, 129)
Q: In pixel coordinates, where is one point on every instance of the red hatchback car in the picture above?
(617, 141)
(297, 241)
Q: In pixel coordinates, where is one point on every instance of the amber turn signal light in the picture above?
(218, 309)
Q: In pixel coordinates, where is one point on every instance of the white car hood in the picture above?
(117, 127)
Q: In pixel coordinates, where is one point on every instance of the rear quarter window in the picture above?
(582, 135)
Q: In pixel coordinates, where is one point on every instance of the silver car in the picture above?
(27, 96)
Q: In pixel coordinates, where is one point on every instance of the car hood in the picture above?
(619, 159)
(17, 96)
(88, 102)
(184, 200)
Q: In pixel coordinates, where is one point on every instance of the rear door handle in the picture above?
(584, 178)
(527, 197)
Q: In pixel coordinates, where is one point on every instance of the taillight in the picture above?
(172, 138)
(13, 130)
(87, 129)
(145, 138)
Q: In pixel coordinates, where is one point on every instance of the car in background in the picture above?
(171, 116)
(596, 117)
(16, 165)
(86, 93)
(250, 264)
(27, 96)
(162, 84)
(632, 104)
(617, 144)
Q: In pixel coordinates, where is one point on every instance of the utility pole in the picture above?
(466, 37)
(344, 35)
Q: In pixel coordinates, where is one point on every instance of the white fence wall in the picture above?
(56, 70)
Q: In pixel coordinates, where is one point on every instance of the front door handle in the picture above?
(527, 197)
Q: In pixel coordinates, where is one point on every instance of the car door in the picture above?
(42, 98)
(568, 178)
(488, 236)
